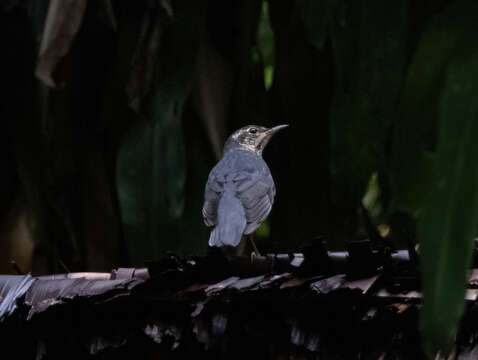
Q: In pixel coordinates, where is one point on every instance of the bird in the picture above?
(240, 190)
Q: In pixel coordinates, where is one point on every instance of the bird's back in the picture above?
(246, 177)
(240, 162)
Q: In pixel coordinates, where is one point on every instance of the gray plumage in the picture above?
(240, 190)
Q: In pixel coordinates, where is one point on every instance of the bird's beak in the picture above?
(267, 135)
(279, 127)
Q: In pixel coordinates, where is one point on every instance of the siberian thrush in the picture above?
(240, 190)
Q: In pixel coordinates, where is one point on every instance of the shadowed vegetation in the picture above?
(113, 113)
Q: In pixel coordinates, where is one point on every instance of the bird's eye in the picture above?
(252, 130)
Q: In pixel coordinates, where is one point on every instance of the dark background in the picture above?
(110, 126)
(113, 112)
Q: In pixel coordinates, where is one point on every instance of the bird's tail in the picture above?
(231, 221)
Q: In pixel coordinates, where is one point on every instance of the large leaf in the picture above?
(145, 58)
(212, 92)
(436, 169)
(368, 39)
(151, 170)
(415, 133)
(62, 24)
(370, 57)
(193, 233)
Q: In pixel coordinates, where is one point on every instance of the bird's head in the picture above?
(253, 138)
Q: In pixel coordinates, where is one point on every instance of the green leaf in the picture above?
(369, 48)
(151, 171)
(436, 164)
(415, 132)
(448, 223)
(368, 39)
(265, 43)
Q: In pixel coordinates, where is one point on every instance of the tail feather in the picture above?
(231, 221)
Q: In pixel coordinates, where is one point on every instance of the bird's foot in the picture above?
(254, 255)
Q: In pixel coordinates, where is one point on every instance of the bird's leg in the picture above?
(255, 253)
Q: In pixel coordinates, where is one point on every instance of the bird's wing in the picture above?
(212, 193)
(250, 179)
(256, 193)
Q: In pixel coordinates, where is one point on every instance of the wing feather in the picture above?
(257, 197)
(254, 187)
(212, 193)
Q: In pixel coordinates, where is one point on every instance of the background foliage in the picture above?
(113, 113)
